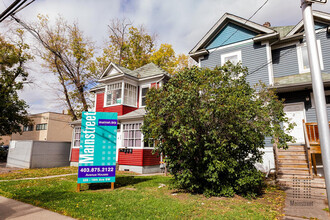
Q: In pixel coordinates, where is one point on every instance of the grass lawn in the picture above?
(134, 197)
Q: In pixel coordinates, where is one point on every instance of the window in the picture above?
(303, 57)
(132, 135)
(41, 127)
(28, 128)
(76, 137)
(149, 143)
(130, 94)
(113, 94)
(233, 57)
(144, 91)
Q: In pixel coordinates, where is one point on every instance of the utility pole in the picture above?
(318, 88)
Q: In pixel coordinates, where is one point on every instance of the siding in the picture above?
(120, 109)
(324, 38)
(230, 34)
(294, 97)
(285, 61)
(253, 57)
(139, 157)
(134, 159)
(150, 159)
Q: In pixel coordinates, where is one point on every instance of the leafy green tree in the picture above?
(13, 57)
(211, 125)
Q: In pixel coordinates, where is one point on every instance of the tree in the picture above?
(13, 57)
(133, 47)
(68, 54)
(211, 126)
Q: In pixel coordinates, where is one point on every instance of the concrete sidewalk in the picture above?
(302, 203)
(12, 209)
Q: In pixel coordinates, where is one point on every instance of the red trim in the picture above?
(74, 155)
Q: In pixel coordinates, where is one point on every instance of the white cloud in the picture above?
(181, 23)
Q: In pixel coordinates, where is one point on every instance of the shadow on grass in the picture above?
(121, 181)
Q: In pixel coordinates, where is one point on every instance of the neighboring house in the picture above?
(278, 57)
(48, 126)
(123, 91)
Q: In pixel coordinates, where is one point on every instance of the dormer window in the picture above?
(116, 91)
(144, 90)
(113, 94)
(130, 95)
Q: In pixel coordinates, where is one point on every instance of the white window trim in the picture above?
(235, 53)
(73, 137)
(106, 92)
(140, 98)
(326, 92)
(137, 91)
(300, 57)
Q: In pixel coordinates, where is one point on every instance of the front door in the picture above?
(296, 113)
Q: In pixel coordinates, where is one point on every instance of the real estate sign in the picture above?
(97, 154)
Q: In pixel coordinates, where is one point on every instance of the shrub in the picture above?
(211, 125)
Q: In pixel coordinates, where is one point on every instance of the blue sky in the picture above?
(181, 23)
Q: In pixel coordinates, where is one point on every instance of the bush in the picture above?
(211, 125)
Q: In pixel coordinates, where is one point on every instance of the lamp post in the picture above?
(318, 89)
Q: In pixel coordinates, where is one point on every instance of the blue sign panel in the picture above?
(97, 154)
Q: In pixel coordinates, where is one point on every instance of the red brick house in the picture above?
(123, 91)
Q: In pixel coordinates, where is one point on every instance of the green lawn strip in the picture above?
(30, 173)
(137, 198)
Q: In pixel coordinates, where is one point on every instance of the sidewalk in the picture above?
(12, 209)
(305, 203)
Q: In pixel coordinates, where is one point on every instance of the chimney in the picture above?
(266, 24)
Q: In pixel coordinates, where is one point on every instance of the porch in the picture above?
(301, 162)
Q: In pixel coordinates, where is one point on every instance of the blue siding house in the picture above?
(278, 57)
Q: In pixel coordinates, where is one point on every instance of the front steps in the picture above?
(293, 170)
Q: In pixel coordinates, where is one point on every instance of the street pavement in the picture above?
(12, 209)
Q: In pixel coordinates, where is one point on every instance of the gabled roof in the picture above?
(119, 69)
(222, 22)
(319, 16)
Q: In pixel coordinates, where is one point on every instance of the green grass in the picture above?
(28, 173)
(137, 197)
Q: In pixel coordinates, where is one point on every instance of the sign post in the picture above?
(97, 154)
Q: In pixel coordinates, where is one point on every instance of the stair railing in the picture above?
(307, 147)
